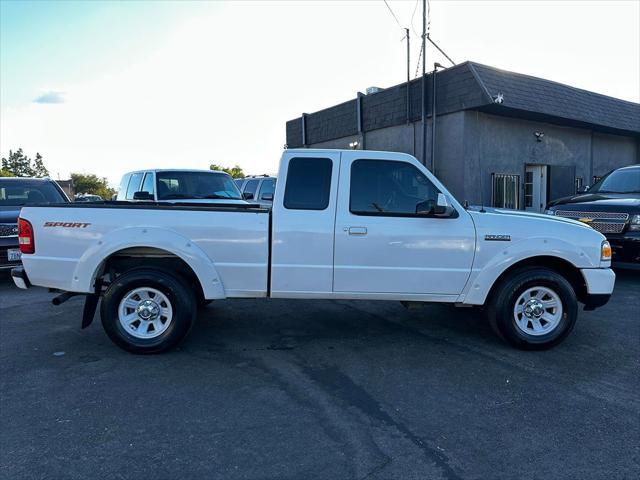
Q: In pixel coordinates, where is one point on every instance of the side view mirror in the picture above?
(583, 189)
(142, 196)
(443, 208)
(426, 208)
(247, 195)
(267, 196)
(437, 208)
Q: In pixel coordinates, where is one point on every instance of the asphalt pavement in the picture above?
(294, 389)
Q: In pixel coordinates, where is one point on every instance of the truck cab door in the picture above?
(303, 221)
(382, 246)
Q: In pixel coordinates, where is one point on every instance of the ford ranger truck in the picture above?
(352, 224)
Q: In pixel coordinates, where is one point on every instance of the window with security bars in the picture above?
(578, 184)
(505, 190)
(596, 178)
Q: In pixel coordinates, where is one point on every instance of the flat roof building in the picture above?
(504, 138)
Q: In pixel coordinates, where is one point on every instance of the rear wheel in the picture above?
(147, 311)
(533, 309)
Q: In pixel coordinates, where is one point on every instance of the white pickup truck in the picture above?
(348, 224)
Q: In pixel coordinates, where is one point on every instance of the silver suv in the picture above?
(258, 189)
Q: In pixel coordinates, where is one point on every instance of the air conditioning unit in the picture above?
(371, 90)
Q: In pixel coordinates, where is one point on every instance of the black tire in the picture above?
(182, 301)
(501, 308)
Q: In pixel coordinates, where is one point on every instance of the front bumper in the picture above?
(626, 249)
(600, 283)
(20, 278)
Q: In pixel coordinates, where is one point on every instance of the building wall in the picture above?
(613, 151)
(495, 144)
(471, 145)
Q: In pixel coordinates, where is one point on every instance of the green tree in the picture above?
(235, 172)
(90, 183)
(5, 173)
(19, 165)
(39, 168)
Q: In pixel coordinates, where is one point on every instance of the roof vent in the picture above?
(371, 90)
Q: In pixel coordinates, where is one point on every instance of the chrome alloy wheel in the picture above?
(145, 313)
(538, 311)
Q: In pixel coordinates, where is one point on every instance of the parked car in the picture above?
(15, 192)
(612, 207)
(87, 197)
(179, 185)
(258, 188)
(345, 224)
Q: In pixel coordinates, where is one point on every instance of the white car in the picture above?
(179, 185)
(257, 189)
(345, 224)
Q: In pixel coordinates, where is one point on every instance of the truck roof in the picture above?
(346, 150)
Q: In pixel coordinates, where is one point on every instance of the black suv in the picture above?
(612, 207)
(14, 193)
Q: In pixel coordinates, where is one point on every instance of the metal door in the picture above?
(535, 188)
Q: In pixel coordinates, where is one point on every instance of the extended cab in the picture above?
(344, 225)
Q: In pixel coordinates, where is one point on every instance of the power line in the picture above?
(418, 65)
(393, 14)
(415, 8)
(440, 50)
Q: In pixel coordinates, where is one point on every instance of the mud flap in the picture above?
(90, 305)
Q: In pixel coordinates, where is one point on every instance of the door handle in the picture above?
(357, 230)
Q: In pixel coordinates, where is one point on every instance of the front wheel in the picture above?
(147, 311)
(533, 309)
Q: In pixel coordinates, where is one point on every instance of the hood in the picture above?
(9, 214)
(519, 214)
(499, 230)
(600, 201)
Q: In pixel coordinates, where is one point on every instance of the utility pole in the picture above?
(433, 117)
(424, 82)
(408, 75)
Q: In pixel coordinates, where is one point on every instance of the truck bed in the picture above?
(228, 244)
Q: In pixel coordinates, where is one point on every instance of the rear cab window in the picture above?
(308, 184)
(134, 184)
(147, 183)
(122, 190)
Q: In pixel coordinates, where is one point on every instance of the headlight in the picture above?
(634, 224)
(549, 212)
(605, 252)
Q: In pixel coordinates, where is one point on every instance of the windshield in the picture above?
(16, 193)
(625, 180)
(185, 185)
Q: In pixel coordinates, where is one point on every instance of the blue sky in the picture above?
(57, 43)
(106, 87)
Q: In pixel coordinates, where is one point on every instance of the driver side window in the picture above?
(380, 187)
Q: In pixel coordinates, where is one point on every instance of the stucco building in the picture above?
(503, 138)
